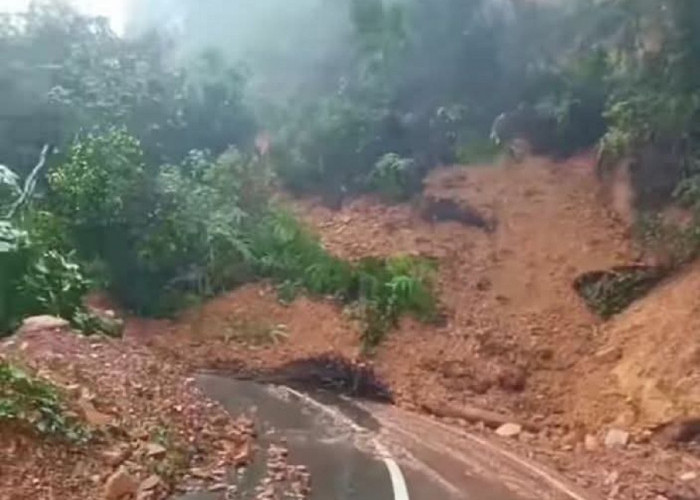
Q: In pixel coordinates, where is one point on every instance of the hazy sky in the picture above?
(115, 10)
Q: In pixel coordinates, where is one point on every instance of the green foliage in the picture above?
(384, 289)
(164, 233)
(65, 72)
(36, 281)
(477, 151)
(14, 260)
(675, 245)
(34, 404)
(102, 181)
(54, 284)
(9, 189)
(395, 178)
(331, 144)
(653, 113)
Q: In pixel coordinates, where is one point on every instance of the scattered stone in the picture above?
(526, 437)
(688, 476)
(155, 450)
(590, 442)
(218, 487)
(609, 354)
(612, 478)
(201, 473)
(107, 322)
(117, 455)
(91, 415)
(120, 484)
(616, 438)
(150, 483)
(243, 456)
(509, 430)
(43, 323)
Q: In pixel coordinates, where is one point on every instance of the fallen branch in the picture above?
(29, 183)
(472, 414)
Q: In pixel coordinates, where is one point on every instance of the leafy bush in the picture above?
(395, 178)
(331, 144)
(66, 72)
(34, 404)
(102, 184)
(36, 278)
(164, 235)
(14, 260)
(54, 284)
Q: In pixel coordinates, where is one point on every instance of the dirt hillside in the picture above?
(516, 326)
(652, 374)
(517, 340)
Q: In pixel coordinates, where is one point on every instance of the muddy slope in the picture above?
(516, 326)
(651, 370)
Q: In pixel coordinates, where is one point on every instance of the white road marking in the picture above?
(398, 483)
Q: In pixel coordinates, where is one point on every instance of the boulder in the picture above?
(119, 485)
(616, 438)
(509, 430)
(43, 323)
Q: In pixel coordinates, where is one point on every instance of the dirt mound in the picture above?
(250, 331)
(653, 373)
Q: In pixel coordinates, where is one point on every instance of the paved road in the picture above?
(363, 451)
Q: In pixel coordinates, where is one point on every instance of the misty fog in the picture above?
(286, 46)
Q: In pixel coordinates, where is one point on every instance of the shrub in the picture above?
(395, 178)
(164, 235)
(54, 284)
(35, 404)
(14, 260)
(36, 277)
(102, 185)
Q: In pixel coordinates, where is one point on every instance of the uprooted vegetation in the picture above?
(610, 292)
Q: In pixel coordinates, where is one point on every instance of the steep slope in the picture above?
(515, 324)
(652, 371)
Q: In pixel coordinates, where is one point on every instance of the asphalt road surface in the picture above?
(368, 451)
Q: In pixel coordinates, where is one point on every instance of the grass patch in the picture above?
(34, 404)
(383, 289)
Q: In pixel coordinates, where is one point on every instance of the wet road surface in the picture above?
(368, 451)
